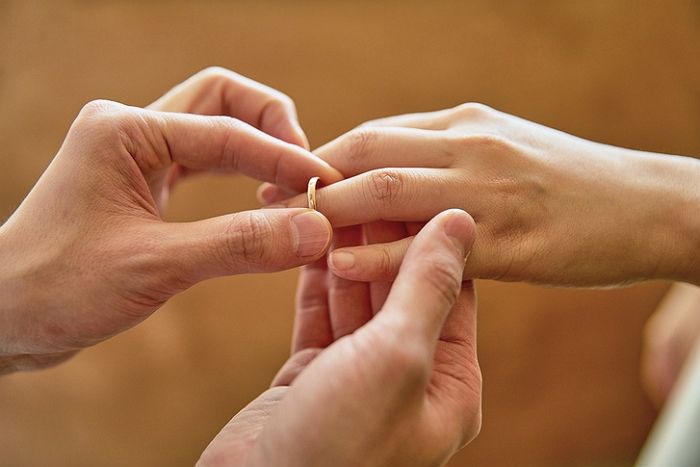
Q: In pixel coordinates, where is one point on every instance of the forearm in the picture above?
(671, 228)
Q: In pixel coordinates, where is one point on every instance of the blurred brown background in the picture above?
(560, 366)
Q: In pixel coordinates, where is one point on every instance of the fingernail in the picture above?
(311, 233)
(457, 229)
(341, 260)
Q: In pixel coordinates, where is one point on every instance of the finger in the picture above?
(380, 232)
(294, 366)
(204, 142)
(268, 193)
(381, 262)
(386, 194)
(312, 326)
(438, 120)
(412, 228)
(220, 142)
(349, 301)
(253, 241)
(369, 263)
(218, 91)
(365, 149)
(430, 278)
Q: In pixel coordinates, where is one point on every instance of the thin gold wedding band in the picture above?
(311, 192)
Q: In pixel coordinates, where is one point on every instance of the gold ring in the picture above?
(311, 192)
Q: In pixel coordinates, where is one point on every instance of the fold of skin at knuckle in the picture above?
(382, 189)
(248, 234)
(385, 265)
(358, 145)
(231, 130)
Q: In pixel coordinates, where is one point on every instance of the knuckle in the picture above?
(280, 103)
(384, 186)
(360, 142)
(99, 108)
(102, 121)
(216, 76)
(215, 71)
(284, 100)
(472, 111)
(247, 236)
(385, 264)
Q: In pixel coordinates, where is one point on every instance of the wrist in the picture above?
(14, 293)
(7, 306)
(672, 230)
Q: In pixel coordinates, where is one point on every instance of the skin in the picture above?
(670, 336)
(549, 207)
(402, 386)
(87, 254)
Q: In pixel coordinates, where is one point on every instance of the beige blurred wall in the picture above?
(560, 366)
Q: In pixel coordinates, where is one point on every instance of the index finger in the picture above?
(224, 143)
(218, 91)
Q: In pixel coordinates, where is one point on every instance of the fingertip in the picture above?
(459, 226)
(267, 193)
(340, 260)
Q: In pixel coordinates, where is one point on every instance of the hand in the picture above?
(549, 207)
(399, 388)
(670, 336)
(87, 255)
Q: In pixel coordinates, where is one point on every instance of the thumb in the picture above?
(264, 240)
(430, 278)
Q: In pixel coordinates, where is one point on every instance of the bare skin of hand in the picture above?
(549, 207)
(670, 336)
(401, 384)
(87, 254)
